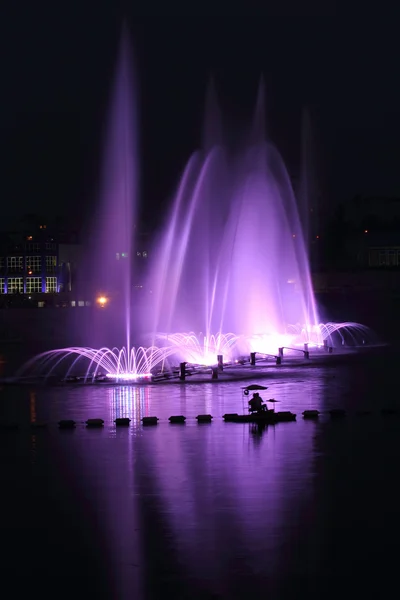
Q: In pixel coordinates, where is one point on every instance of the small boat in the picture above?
(269, 417)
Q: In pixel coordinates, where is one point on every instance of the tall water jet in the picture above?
(232, 257)
(114, 220)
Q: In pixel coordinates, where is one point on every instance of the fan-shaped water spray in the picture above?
(204, 350)
(91, 364)
(200, 349)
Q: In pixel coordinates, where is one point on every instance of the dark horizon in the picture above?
(58, 74)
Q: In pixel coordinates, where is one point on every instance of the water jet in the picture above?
(231, 257)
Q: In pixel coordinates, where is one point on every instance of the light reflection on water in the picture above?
(320, 389)
(220, 508)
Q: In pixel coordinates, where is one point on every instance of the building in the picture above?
(29, 263)
(69, 259)
(379, 250)
(43, 265)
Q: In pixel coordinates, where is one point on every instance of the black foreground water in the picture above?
(220, 510)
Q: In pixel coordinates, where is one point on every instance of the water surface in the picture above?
(216, 510)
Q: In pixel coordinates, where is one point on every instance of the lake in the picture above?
(219, 510)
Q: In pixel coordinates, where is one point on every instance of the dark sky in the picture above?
(57, 65)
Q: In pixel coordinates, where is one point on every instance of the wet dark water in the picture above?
(217, 510)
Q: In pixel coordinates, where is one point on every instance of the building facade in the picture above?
(47, 266)
(29, 264)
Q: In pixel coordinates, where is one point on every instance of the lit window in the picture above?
(15, 263)
(73, 303)
(2, 285)
(33, 264)
(15, 285)
(144, 254)
(124, 255)
(51, 263)
(81, 303)
(51, 285)
(33, 285)
(117, 256)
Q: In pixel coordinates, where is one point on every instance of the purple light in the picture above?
(232, 244)
(92, 364)
(129, 376)
(231, 257)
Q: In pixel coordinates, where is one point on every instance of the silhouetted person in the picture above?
(256, 403)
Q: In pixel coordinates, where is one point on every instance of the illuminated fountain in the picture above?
(231, 258)
(96, 365)
(112, 245)
(200, 350)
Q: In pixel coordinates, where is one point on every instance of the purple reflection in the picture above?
(227, 503)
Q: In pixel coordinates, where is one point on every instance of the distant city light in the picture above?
(102, 301)
(365, 230)
(294, 235)
(317, 237)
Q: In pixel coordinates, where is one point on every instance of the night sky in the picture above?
(57, 66)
